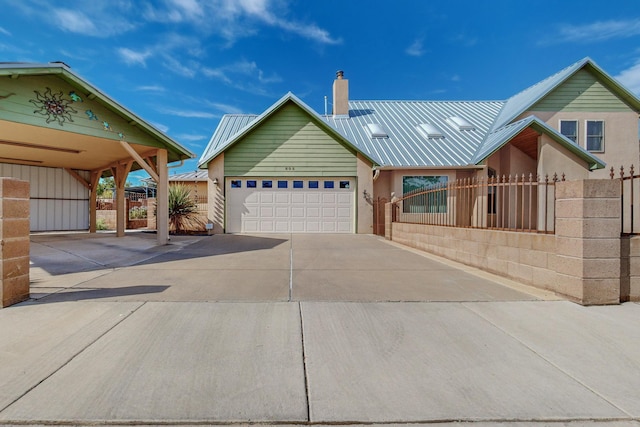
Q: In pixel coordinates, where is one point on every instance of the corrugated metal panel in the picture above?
(58, 202)
(289, 143)
(406, 145)
(498, 138)
(200, 175)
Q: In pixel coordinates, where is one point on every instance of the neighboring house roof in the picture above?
(176, 151)
(521, 102)
(200, 175)
(408, 146)
(232, 128)
(498, 138)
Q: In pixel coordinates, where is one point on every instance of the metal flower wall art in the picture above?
(53, 106)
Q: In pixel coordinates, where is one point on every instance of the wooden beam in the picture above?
(139, 160)
(78, 178)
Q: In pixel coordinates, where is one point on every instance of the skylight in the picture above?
(376, 130)
(429, 130)
(460, 123)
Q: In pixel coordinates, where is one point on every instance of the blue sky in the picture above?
(182, 64)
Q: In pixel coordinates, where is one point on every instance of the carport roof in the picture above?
(64, 147)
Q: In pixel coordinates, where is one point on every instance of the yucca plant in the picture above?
(183, 211)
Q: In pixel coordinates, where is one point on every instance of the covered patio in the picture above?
(52, 118)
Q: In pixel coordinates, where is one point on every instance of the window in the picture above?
(297, 184)
(236, 183)
(313, 184)
(431, 194)
(282, 184)
(569, 128)
(595, 135)
(251, 184)
(328, 184)
(267, 184)
(345, 184)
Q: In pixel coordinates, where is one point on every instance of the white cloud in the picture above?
(5, 32)
(191, 137)
(96, 19)
(416, 48)
(234, 19)
(162, 128)
(631, 78)
(151, 88)
(189, 113)
(597, 31)
(132, 57)
(242, 68)
(225, 108)
(74, 21)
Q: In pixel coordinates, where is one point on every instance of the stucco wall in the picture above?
(621, 146)
(215, 197)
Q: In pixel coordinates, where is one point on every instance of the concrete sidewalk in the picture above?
(504, 357)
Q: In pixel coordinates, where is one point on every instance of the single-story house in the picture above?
(291, 169)
(63, 134)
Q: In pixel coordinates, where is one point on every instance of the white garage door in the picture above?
(290, 205)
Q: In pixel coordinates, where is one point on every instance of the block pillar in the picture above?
(14, 241)
(388, 220)
(588, 227)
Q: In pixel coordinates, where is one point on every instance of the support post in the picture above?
(162, 201)
(121, 172)
(93, 200)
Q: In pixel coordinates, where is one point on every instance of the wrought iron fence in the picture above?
(514, 202)
(629, 197)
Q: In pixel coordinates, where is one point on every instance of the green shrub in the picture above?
(101, 224)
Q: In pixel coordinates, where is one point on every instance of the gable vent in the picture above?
(430, 131)
(460, 123)
(376, 130)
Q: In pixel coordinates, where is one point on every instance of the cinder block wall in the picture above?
(14, 241)
(583, 261)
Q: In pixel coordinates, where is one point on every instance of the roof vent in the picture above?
(376, 130)
(429, 130)
(460, 123)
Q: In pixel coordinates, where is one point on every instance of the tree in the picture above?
(106, 187)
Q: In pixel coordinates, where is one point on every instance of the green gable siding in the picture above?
(16, 106)
(582, 92)
(289, 143)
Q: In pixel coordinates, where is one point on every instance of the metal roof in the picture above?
(406, 145)
(521, 102)
(200, 175)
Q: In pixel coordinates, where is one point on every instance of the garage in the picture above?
(286, 171)
(290, 205)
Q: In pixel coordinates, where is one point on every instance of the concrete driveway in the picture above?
(256, 268)
(302, 330)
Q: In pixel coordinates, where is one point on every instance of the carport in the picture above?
(52, 118)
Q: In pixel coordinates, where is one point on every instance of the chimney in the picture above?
(340, 95)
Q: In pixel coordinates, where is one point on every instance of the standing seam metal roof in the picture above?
(405, 145)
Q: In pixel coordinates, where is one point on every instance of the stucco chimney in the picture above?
(340, 95)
